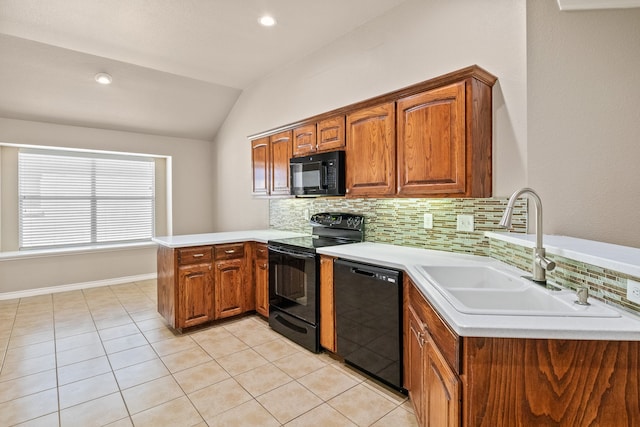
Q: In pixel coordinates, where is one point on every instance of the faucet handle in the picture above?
(583, 295)
(545, 263)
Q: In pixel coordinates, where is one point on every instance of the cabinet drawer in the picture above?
(447, 341)
(197, 254)
(261, 251)
(233, 250)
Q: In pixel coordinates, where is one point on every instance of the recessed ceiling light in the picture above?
(267, 21)
(103, 78)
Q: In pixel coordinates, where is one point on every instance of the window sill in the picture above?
(45, 253)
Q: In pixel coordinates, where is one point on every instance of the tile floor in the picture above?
(103, 356)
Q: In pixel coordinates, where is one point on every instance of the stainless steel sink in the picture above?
(489, 290)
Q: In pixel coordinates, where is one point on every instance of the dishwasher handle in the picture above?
(362, 272)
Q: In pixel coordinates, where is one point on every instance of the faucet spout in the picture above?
(541, 264)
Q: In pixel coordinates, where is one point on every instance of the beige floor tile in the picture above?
(177, 362)
(30, 351)
(28, 407)
(218, 398)
(362, 405)
(140, 373)
(124, 343)
(289, 401)
(250, 413)
(328, 382)
(323, 415)
(118, 331)
(263, 379)
(130, 357)
(97, 412)
(175, 413)
(83, 370)
(125, 422)
(300, 364)
(399, 417)
(75, 341)
(242, 361)
(150, 394)
(394, 396)
(222, 346)
(213, 333)
(200, 376)
(112, 322)
(74, 329)
(30, 384)
(175, 345)
(34, 338)
(156, 335)
(277, 349)
(144, 314)
(50, 420)
(79, 354)
(85, 390)
(21, 368)
(150, 324)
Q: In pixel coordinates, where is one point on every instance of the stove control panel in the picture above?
(338, 220)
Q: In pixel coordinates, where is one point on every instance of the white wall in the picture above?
(191, 209)
(584, 120)
(418, 40)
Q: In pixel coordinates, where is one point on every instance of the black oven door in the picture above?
(293, 283)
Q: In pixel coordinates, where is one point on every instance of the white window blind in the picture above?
(76, 199)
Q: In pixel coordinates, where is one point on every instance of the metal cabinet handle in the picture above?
(198, 255)
(229, 251)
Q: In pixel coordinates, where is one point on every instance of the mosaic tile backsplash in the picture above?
(400, 222)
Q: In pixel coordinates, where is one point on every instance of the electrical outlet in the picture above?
(428, 221)
(465, 223)
(307, 215)
(633, 291)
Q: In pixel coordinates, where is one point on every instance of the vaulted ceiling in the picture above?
(178, 66)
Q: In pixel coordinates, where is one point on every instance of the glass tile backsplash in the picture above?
(400, 221)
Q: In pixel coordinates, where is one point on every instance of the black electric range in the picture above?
(294, 275)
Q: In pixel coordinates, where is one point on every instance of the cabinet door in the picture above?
(304, 140)
(331, 134)
(280, 155)
(261, 279)
(431, 143)
(371, 153)
(195, 295)
(228, 287)
(260, 166)
(442, 388)
(416, 363)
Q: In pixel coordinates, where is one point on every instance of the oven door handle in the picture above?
(295, 254)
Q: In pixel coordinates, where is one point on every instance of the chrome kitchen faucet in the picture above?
(540, 263)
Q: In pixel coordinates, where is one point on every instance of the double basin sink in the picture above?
(494, 290)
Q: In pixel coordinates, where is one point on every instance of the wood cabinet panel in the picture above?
(194, 255)
(261, 278)
(195, 294)
(527, 382)
(442, 389)
(281, 152)
(229, 283)
(327, 307)
(304, 140)
(370, 152)
(331, 134)
(415, 363)
(260, 166)
(432, 142)
(229, 251)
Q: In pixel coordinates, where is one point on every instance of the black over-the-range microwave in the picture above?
(318, 175)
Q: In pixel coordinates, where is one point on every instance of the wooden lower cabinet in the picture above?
(261, 278)
(203, 283)
(327, 308)
(504, 382)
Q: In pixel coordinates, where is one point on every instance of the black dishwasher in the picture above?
(368, 299)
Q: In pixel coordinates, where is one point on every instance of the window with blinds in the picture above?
(76, 199)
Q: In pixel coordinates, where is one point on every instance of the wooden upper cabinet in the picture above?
(304, 140)
(444, 141)
(260, 165)
(331, 134)
(281, 152)
(371, 153)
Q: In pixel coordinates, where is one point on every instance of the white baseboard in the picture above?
(76, 286)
